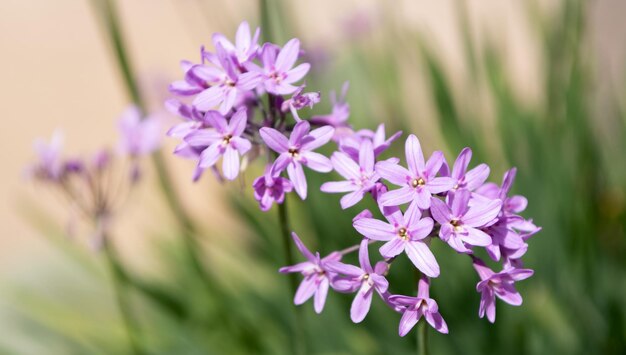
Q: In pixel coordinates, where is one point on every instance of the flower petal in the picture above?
(352, 199)
(209, 156)
(481, 214)
(238, 122)
(320, 136)
(374, 229)
(397, 197)
(414, 155)
(364, 256)
(287, 55)
(302, 248)
(320, 295)
(366, 156)
(338, 187)
(297, 73)
(345, 166)
(436, 321)
(274, 139)
(461, 163)
(317, 162)
(476, 177)
(361, 305)
(476, 237)
(392, 248)
(209, 98)
(296, 175)
(305, 290)
(394, 173)
(440, 211)
(408, 321)
(422, 258)
(230, 163)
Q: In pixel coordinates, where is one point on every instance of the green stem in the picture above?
(422, 337)
(107, 12)
(120, 282)
(283, 220)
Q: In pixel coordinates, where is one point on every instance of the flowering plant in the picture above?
(243, 102)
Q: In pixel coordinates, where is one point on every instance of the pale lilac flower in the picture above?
(246, 46)
(460, 221)
(224, 139)
(138, 137)
(299, 101)
(404, 233)
(360, 178)
(506, 237)
(278, 73)
(198, 77)
(297, 151)
(317, 276)
(464, 179)
(340, 111)
(498, 284)
(418, 182)
(269, 189)
(226, 83)
(365, 279)
(49, 166)
(351, 144)
(416, 307)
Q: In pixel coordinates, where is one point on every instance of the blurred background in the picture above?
(534, 84)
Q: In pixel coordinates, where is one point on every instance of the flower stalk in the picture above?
(120, 281)
(105, 9)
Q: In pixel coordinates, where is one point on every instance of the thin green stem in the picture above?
(106, 11)
(422, 337)
(283, 220)
(120, 282)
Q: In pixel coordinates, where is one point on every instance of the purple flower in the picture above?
(360, 178)
(278, 73)
(464, 179)
(365, 278)
(498, 284)
(299, 101)
(49, 166)
(245, 47)
(226, 83)
(460, 221)
(269, 189)
(198, 77)
(416, 307)
(351, 144)
(297, 151)
(340, 111)
(404, 233)
(138, 137)
(224, 139)
(317, 276)
(418, 182)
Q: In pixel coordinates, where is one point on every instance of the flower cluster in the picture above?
(431, 202)
(236, 104)
(93, 185)
(244, 102)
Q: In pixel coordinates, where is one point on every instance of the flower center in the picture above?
(456, 224)
(418, 182)
(402, 233)
(293, 152)
(227, 138)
